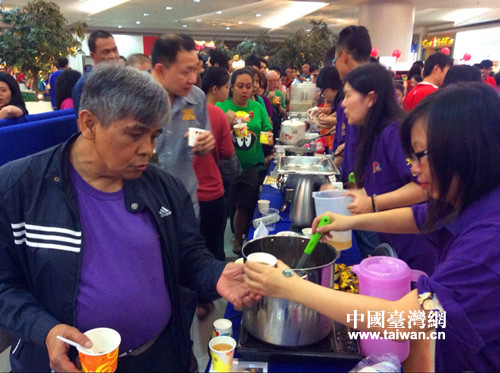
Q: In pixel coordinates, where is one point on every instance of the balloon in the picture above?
(396, 53)
(467, 57)
(374, 52)
(445, 50)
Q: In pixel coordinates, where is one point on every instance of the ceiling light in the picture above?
(196, 1)
(96, 6)
(228, 28)
(168, 8)
(291, 11)
(258, 15)
(184, 26)
(120, 26)
(198, 20)
(146, 14)
(138, 22)
(219, 12)
(462, 15)
(240, 23)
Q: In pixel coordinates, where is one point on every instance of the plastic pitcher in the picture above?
(387, 278)
(334, 201)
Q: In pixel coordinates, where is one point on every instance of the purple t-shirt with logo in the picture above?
(388, 169)
(122, 283)
(465, 284)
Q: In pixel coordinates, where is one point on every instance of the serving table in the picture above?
(302, 363)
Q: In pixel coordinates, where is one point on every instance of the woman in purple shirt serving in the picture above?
(453, 136)
(381, 168)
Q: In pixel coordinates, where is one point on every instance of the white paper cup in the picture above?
(193, 135)
(222, 328)
(263, 258)
(263, 204)
(307, 232)
(222, 360)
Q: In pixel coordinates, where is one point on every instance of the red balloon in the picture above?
(467, 57)
(374, 52)
(396, 53)
(445, 50)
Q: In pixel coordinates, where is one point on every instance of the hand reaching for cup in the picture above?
(231, 286)
(265, 280)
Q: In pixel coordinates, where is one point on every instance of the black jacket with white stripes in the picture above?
(40, 252)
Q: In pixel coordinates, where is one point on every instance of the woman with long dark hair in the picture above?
(65, 83)
(381, 169)
(453, 137)
(11, 101)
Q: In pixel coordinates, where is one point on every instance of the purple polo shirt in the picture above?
(340, 127)
(388, 169)
(349, 136)
(466, 284)
(122, 285)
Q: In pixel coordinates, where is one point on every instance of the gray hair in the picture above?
(113, 92)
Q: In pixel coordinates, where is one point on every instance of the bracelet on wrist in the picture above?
(374, 203)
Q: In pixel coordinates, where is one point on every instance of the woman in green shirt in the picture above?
(245, 190)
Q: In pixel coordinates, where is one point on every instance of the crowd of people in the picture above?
(94, 222)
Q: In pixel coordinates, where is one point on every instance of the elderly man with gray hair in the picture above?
(91, 235)
(277, 100)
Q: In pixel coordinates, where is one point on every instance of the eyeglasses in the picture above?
(416, 156)
(336, 57)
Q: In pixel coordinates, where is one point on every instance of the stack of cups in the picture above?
(222, 345)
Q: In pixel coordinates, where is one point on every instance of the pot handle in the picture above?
(415, 274)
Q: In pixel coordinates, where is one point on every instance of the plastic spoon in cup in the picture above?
(313, 241)
(74, 344)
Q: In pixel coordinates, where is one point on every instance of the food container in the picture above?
(292, 131)
(307, 165)
(282, 322)
(300, 151)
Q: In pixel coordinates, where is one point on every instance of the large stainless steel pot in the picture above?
(283, 322)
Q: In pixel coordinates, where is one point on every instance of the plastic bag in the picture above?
(261, 231)
(378, 363)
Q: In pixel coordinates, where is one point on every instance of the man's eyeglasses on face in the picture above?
(337, 56)
(417, 156)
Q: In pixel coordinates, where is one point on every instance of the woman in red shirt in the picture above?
(210, 192)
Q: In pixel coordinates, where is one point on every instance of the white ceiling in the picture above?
(210, 18)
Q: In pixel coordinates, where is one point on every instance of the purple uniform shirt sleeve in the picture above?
(419, 214)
